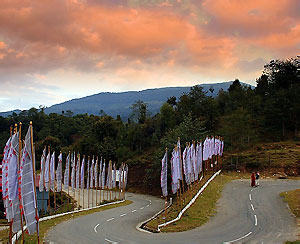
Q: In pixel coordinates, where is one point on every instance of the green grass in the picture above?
(46, 225)
(200, 212)
(293, 200)
(268, 155)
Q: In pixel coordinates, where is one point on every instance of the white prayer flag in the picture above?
(67, 174)
(88, 176)
(52, 172)
(73, 163)
(206, 145)
(82, 174)
(103, 176)
(59, 173)
(27, 186)
(92, 174)
(41, 182)
(78, 173)
(185, 157)
(164, 175)
(13, 168)
(100, 174)
(7, 205)
(114, 176)
(96, 173)
(47, 170)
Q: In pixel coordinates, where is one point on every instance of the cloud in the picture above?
(116, 44)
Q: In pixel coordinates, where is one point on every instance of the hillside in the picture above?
(119, 103)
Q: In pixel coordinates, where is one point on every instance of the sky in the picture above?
(55, 50)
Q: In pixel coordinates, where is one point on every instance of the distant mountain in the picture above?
(119, 103)
(6, 114)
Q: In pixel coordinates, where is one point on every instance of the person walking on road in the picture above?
(253, 179)
(257, 178)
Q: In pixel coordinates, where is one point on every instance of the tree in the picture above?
(139, 111)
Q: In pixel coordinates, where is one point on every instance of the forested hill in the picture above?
(119, 103)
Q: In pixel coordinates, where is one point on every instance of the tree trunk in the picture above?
(283, 129)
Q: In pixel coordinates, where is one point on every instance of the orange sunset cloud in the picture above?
(127, 43)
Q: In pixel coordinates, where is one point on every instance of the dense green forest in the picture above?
(243, 116)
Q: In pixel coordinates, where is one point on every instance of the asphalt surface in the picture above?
(245, 215)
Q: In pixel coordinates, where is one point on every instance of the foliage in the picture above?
(242, 115)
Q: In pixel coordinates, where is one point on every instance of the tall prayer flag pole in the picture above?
(33, 172)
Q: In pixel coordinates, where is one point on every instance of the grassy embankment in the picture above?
(46, 225)
(281, 158)
(200, 212)
(293, 200)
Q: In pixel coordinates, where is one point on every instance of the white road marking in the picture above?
(142, 208)
(123, 215)
(110, 219)
(250, 197)
(133, 211)
(238, 239)
(255, 220)
(111, 241)
(147, 206)
(252, 207)
(95, 228)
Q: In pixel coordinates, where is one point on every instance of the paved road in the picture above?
(245, 214)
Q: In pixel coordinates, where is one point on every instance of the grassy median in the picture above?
(200, 212)
(48, 224)
(293, 200)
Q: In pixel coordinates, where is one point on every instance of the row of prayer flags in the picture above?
(190, 163)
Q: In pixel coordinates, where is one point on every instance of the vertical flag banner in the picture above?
(47, 170)
(82, 174)
(66, 174)
(206, 149)
(185, 165)
(194, 162)
(73, 171)
(7, 204)
(88, 177)
(28, 187)
(92, 174)
(199, 156)
(173, 173)
(96, 173)
(164, 175)
(13, 168)
(13, 182)
(103, 176)
(59, 173)
(41, 182)
(114, 177)
(52, 172)
(77, 173)
(100, 174)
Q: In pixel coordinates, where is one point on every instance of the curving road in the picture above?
(245, 214)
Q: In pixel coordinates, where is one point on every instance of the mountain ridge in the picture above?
(119, 103)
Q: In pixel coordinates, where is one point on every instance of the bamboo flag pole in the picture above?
(88, 184)
(69, 177)
(54, 189)
(96, 177)
(103, 186)
(19, 165)
(49, 182)
(92, 170)
(78, 160)
(61, 179)
(33, 172)
(83, 186)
